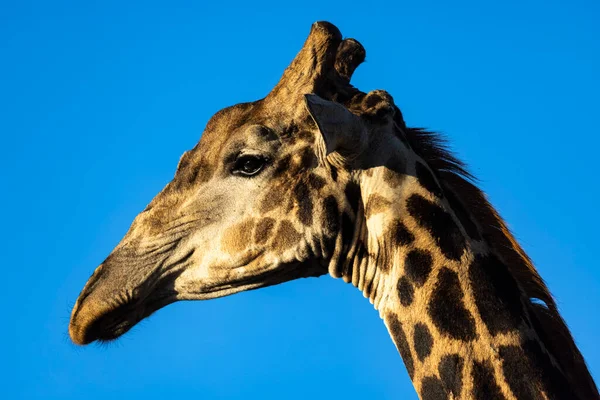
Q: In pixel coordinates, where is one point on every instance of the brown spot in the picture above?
(334, 173)
(331, 215)
(315, 181)
(272, 199)
(399, 337)
(423, 341)
(190, 173)
(447, 308)
(485, 385)
(304, 201)
(306, 136)
(440, 225)
(393, 178)
(432, 389)
(308, 159)
(286, 236)
(405, 291)
(450, 369)
(263, 230)
(236, 238)
(283, 166)
(418, 264)
(400, 235)
(376, 204)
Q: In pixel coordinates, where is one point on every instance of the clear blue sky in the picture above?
(99, 99)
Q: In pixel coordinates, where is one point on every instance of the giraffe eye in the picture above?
(248, 165)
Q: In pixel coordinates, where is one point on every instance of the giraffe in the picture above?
(321, 178)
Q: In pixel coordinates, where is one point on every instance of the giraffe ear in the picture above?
(343, 131)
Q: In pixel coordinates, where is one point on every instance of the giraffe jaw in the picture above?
(106, 321)
(287, 271)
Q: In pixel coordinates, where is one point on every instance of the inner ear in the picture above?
(342, 131)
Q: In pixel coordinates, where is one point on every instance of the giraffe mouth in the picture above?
(119, 320)
(94, 319)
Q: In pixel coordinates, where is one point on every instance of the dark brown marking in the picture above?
(422, 341)
(485, 386)
(190, 173)
(287, 236)
(334, 173)
(331, 215)
(376, 204)
(305, 204)
(405, 291)
(393, 178)
(316, 182)
(306, 136)
(440, 225)
(283, 166)
(496, 293)
(272, 199)
(518, 373)
(308, 159)
(432, 389)
(399, 337)
(263, 230)
(450, 369)
(417, 265)
(401, 236)
(447, 310)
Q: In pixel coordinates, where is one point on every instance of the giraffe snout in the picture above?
(121, 292)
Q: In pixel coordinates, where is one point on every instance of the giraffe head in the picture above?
(264, 197)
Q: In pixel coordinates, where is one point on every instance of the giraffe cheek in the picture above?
(236, 238)
(263, 231)
(286, 237)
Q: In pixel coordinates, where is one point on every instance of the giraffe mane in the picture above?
(543, 311)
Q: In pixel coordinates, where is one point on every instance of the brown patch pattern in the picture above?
(286, 237)
(263, 230)
(236, 238)
(376, 204)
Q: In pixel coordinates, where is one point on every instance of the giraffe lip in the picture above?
(99, 315)
(104, 322)
(117, 321)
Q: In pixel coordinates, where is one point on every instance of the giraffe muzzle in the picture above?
(117, 297)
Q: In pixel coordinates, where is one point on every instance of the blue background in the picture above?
(99, 99)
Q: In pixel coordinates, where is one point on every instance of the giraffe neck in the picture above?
(456, 315)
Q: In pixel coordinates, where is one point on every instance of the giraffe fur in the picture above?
(321, 178)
